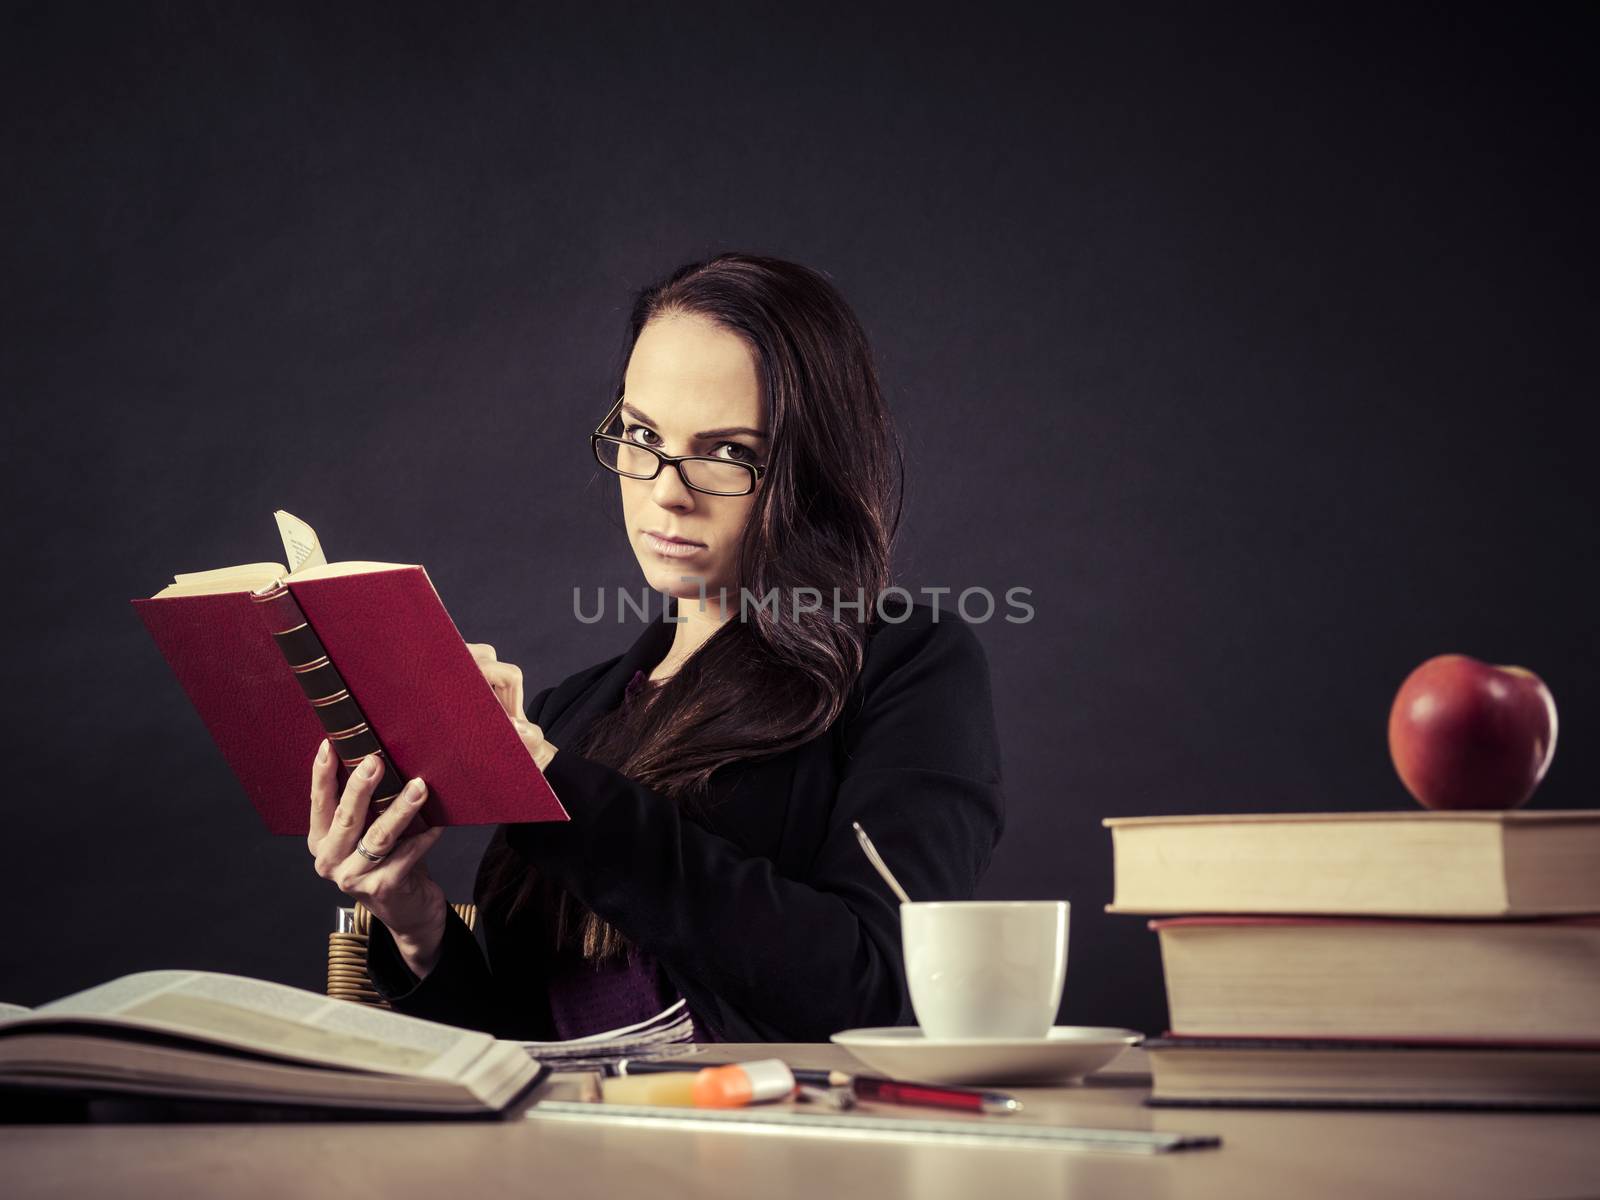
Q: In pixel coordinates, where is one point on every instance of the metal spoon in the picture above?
(877, 861)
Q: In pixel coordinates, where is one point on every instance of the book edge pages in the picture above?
(1391, 915)
(1325, 861)
(354, 566)
(1451, 980)
(1239, 920)
(1499, 817)
(260, 582)
(1335, 1044)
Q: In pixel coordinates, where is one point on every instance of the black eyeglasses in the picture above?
(714, 476)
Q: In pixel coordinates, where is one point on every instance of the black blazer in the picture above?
(764, 913)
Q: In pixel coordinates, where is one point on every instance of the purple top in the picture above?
(588, 997)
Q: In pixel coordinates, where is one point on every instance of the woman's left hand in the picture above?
(506, 680)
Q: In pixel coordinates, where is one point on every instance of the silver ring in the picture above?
(368, 854)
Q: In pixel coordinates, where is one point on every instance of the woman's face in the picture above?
(690, 388)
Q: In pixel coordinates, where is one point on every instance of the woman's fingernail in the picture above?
(322, 751)
(369, 768)
(416, 790)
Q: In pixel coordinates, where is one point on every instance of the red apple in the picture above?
(1464, 734)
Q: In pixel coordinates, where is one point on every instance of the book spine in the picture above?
(348, 732)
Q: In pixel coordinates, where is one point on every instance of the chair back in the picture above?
(347, 954)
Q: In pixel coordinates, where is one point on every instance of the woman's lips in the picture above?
(671, 549)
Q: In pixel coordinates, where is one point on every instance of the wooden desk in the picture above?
(1286, 1155)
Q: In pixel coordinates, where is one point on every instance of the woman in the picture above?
(713, 770)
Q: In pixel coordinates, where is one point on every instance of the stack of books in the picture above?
(1407, 959)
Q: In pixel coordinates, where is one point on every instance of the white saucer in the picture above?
(1066, 1054)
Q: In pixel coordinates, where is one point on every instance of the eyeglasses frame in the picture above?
(667, 460)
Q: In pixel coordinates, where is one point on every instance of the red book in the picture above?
(363, 653)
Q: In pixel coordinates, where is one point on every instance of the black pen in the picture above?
(865, 1087)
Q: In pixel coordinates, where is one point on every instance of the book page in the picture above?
(243, 578)
(274, 1019)
(226, 574)
(353, 567)
(300, 544)
(102, 1064)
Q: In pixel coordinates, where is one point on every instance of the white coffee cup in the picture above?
(985, 968)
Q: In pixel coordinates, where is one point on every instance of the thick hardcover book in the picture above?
(1392, 864)
(1281, 1072)
(362, 653)
(1309, 977)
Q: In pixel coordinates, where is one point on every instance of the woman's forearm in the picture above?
(457, 987)
(419, 948)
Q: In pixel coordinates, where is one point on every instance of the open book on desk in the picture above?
(199, 1036)
(276, 657)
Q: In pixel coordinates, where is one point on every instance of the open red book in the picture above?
(276, 658)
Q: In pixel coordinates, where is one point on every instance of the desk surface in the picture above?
(1299, 1153)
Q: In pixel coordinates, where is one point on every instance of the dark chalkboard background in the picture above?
(1259, 344)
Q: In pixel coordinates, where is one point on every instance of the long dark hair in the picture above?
(824, 517)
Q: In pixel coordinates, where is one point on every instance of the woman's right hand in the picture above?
(397, 890)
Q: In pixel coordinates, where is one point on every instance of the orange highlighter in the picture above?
(732, 1086)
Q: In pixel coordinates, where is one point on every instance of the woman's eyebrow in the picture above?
(703, 435)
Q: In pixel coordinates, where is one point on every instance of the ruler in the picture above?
(1002, 1131)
